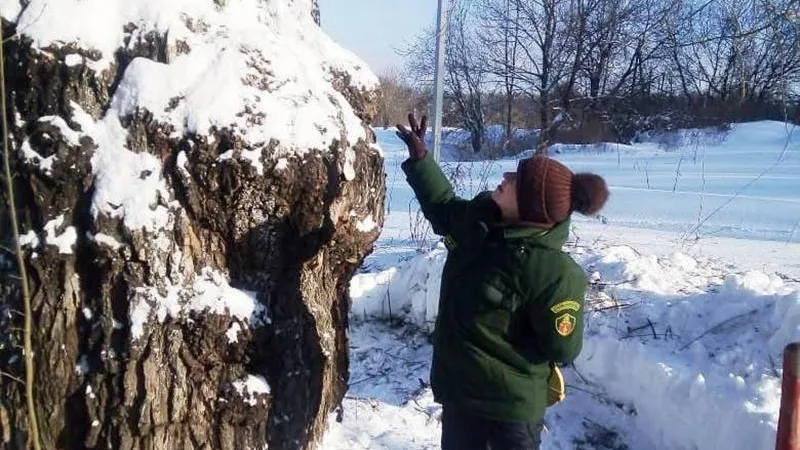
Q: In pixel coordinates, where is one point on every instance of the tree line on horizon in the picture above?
(584, 71)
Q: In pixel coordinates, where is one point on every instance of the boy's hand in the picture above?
(415, 137)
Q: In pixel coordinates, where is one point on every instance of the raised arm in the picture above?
(435, 194)
(446, 212)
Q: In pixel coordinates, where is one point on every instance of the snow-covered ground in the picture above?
(695, 270)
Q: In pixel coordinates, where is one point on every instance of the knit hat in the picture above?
(548, 192)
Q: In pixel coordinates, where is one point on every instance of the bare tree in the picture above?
(753, 51)
(396, 100)
(500, 40)
(465, 69)
(611, 67)
(543, 56)
(624, 38)
(466, 74)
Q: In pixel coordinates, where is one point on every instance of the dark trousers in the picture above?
(462, 430)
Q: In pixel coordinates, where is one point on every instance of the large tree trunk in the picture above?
(215, 315)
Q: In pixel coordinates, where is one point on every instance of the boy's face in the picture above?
(505, 195)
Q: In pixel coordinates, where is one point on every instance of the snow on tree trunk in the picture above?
(197, 187)
(315, 11)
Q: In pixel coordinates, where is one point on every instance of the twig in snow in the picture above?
(717, 327)
(419, 408)
(618, 306)
(608, 283)
(587, 391)
(774, 367)
(649, 324)
(574, 232)
(664, 335)
(4, 39)
(389, 300)
(791, 235)
(741, 190)
(580, 375)
(677, 174)
(579, 389)
(367, 378)
(785, 277)
(652, 328)
(638, 166)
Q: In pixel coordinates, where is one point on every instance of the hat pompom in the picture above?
(589, 193)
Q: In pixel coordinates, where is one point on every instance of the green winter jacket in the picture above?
(511, 302)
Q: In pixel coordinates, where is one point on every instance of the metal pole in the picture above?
(789, 420)
(438, 90)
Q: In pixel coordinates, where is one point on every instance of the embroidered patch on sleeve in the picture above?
(566, 305)
(565, 324)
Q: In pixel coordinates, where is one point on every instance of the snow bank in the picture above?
(695, 351)
(409, 292)
(680, 406)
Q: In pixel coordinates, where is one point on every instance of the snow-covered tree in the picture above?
(196, 187)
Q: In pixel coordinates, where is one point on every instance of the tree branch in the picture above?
(33, 424)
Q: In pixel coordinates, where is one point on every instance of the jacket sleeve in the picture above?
(435, 194)
(556, 318)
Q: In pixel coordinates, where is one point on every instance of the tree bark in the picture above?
(290, 237)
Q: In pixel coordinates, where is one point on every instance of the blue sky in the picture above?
(373, 28)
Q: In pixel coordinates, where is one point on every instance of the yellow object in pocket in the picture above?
(556, 390)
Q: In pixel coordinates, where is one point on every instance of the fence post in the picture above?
(789, 420)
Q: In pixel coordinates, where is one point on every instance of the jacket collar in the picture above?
(554, 238)
(536, 234)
